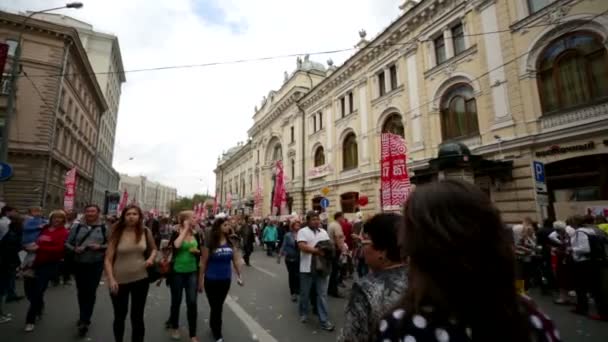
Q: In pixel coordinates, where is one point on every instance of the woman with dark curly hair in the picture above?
(461, 273)
(374, 294)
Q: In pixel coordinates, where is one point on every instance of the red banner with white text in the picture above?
(70, 190)
(395, 181)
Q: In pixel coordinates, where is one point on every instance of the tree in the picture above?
(187, 203)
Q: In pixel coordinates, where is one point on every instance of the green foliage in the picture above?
(187, 203)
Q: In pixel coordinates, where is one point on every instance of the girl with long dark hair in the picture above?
(219, 255)
(461, 273)
(130, 252)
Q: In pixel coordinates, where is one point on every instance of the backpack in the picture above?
(598, 245)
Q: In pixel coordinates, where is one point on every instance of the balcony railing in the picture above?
(578, 116)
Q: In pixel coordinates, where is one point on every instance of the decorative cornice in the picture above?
(385, 41)
(550, 14)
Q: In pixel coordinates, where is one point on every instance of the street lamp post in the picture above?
(10, 110)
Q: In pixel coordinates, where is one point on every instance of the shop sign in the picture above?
(556, 149)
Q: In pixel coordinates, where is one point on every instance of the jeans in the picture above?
(361, 268)
(138, 291)
(36, 287)
(293, 271)
(181, 282)
(12, 286)
(270, 246)
(87, 277)
(320, 282)
(216, 291)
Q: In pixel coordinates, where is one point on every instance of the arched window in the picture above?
(459, 113)
(277, 153)
(572, 70)
(394, 125)
(350, 153)
(348, 202)
(319, 156)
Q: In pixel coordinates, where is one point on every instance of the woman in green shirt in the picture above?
(186, 243)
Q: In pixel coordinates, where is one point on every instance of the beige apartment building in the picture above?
(148, 195)
(104, 54)
(479, 89)
(57, 114)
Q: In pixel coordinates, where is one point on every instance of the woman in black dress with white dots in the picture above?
(461, 273)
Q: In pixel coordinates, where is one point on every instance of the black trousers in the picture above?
(293, 271)
(87, 276)
(216, 291)
(36, 287)
(587, 278)
(334, 277)
(138, 291)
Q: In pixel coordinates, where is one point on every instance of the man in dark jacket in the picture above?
(10, 245)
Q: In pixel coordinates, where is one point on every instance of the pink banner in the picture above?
(279, 201)
(123, 201)
(229, 201)
(257, 202)
(395, 182)
(70, 190)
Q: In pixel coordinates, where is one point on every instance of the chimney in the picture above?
(407, 5)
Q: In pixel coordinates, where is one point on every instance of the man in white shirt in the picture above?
(308, 237)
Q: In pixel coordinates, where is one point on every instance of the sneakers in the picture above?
(29, 328)
(5, 319)
(327, 326)
(303, 319)
(175, 335)
(83, 329)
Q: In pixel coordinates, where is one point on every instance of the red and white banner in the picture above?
(3, 58)
(70, 190)
(257, 202)
(279, 201)
(123, 201)
(395, 182)
(215, 206)
(229, 201)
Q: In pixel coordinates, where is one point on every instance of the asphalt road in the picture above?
(261, 310)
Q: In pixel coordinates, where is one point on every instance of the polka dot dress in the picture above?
(398, 326)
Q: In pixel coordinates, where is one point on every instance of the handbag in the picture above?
(70, 255)
(161, 266)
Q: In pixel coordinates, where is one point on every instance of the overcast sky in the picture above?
(175, 123)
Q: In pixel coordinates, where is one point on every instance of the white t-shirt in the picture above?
(311, 238)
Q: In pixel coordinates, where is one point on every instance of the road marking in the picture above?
(274, 275)
(257, 332)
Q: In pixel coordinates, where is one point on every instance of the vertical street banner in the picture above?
(395, 181)
(257, 202)
(279, 201)
(123, 201)
(3, 58)
(70, 190)
(229, 201)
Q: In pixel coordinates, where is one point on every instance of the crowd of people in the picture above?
(433, 272)
(191, 256)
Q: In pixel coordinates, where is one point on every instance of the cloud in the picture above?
(175, 123)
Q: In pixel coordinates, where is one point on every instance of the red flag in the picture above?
(123, 201)
(395, 181)
(70, 190)
(229, 201)
(280, 197)
(3, 57)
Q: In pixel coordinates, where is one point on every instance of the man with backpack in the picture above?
(86, 246)
(589, 255)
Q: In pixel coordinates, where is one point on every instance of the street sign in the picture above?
(6, 171)
(539, 176)
(324, 203)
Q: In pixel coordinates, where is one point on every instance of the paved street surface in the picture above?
(259, 311)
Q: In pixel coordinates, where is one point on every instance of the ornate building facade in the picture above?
(479, 89)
